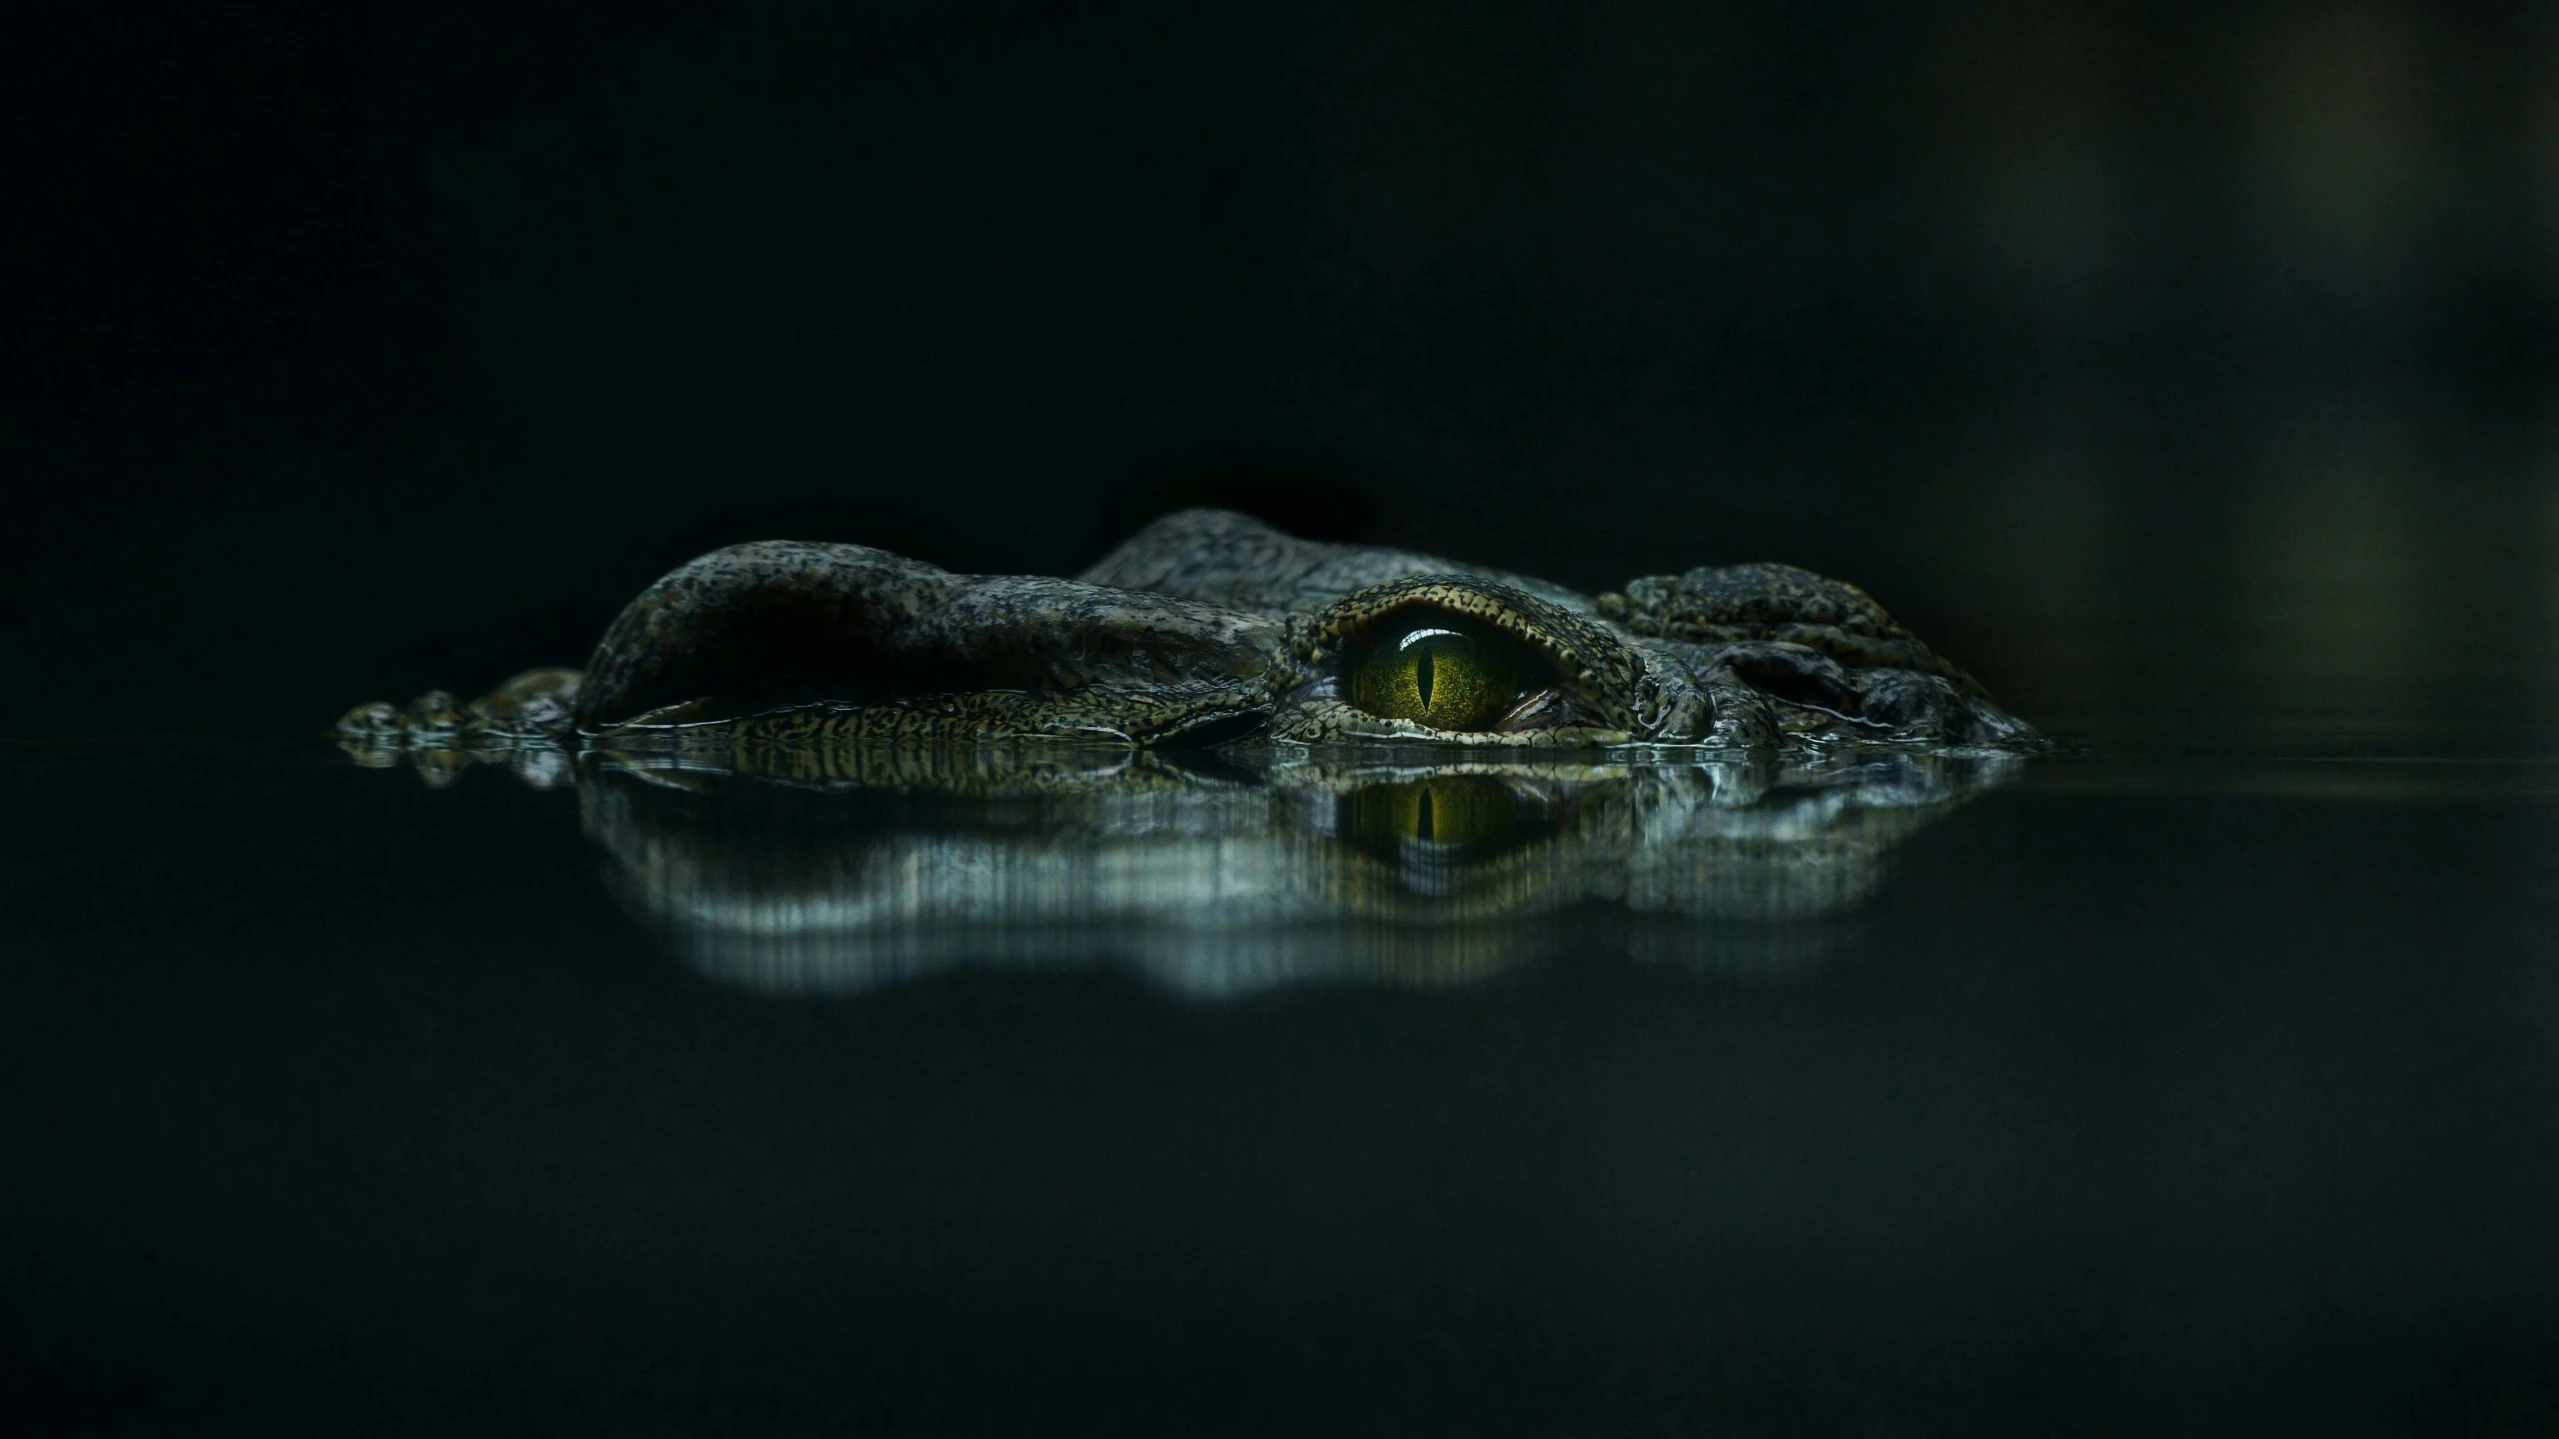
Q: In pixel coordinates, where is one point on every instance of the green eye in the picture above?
(1442, 672)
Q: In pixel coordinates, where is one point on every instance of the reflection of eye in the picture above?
(1440, 671)
(1462, 813)
(1434, 830)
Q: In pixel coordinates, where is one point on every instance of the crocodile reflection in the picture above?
(1256, 871)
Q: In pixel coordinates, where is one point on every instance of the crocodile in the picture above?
(1203, 629)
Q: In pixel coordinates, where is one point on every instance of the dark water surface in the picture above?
(2128, 1092)
(2188, 373)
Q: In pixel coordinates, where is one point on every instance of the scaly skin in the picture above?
(1203, 628)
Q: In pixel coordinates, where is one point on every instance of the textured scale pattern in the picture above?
(1202, 628)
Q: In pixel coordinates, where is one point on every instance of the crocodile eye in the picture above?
(1438, 670)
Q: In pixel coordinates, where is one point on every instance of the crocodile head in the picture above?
(1207, 627)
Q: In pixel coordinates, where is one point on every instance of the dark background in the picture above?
(2167, 364)
(2186, 371)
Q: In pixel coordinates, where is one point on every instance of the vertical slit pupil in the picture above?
(1422, 822)
(1422, 675)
